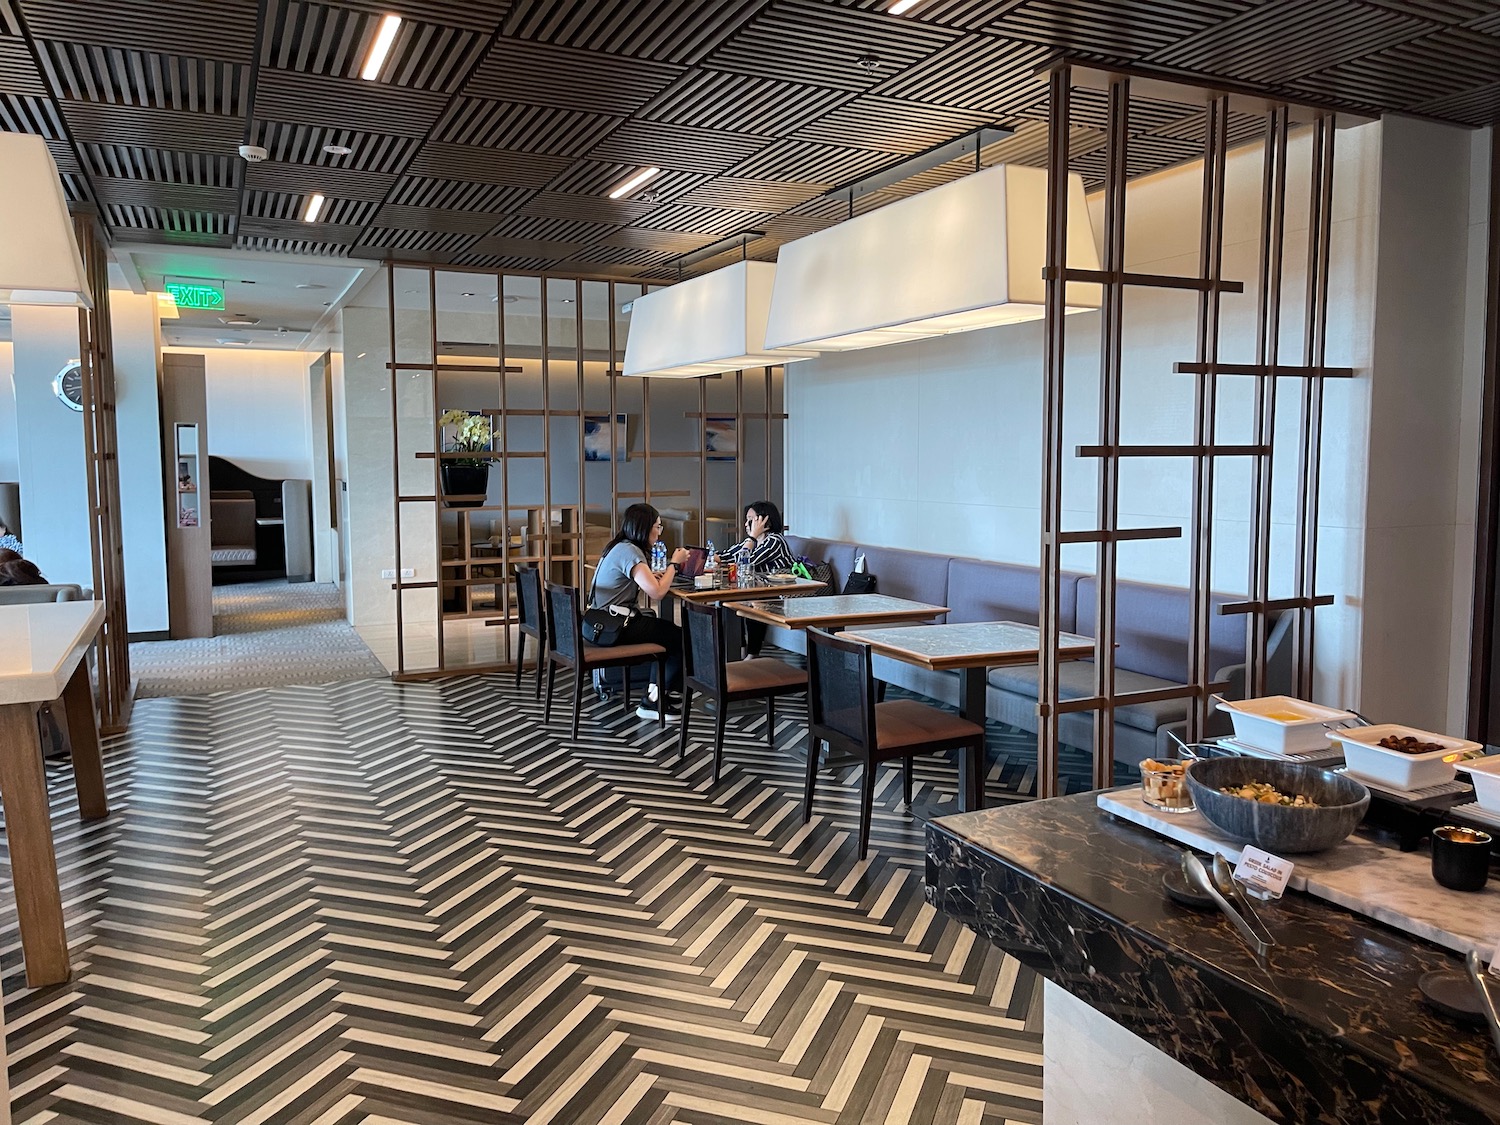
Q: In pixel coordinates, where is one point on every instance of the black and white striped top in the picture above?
(770, 554)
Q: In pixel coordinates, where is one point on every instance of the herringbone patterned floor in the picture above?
(369, 902)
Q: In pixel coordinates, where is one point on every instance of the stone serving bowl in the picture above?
(1279, 829)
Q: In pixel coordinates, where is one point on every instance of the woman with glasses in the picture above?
(764, 551)
(624, 574)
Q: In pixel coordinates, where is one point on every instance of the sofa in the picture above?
(51, 592)
(1151, 636)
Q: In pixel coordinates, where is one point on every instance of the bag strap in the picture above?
(594, 585)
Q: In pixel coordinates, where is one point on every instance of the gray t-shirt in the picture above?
(613, 575)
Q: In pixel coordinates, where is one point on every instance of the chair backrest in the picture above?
(703, 644)
(564, 622)
(841, 690)
(529, 600)
(28, 595)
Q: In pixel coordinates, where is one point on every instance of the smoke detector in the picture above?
(239, 320)
(253, 153)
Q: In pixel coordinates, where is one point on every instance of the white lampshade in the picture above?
(706, 325)
(39, 259)
(962, 256)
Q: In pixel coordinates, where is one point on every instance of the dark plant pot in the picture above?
(465, 481)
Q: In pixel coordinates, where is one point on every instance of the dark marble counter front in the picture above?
(1328, 1028)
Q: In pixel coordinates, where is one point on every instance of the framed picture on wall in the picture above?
(720, 439)
(604, 440)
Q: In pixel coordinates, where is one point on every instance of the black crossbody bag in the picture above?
(603, 626)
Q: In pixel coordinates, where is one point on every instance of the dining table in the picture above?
(757, 586)
(42, 662)
(971, 648)
(836, 611)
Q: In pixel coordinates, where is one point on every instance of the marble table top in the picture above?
(1376, 880)
(1328, 1027)
(837, 609)
(41, 645)
(962, 644)
(761, 586)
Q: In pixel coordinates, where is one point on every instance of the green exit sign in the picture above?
(196, 295)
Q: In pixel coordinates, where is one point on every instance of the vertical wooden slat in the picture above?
(1205, 409)
(1054, 349)
(1484, 689)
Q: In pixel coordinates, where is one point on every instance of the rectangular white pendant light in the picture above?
(705, 326)
(39, 259)
(962, 256)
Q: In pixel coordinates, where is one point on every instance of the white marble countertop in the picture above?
(41, 645)
(1380, 882)
(959, 643)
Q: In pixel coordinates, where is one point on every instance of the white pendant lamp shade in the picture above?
(39, 259)
(705, 326)
(965, 255)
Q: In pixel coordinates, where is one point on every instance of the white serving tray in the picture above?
(1379, 882)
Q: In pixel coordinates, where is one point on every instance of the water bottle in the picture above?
(659, 557)
(713, 559)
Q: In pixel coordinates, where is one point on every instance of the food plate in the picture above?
(1281, 723)
(1400, 769)
(1485, 774)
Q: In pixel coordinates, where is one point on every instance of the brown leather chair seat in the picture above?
(905, 722)
(593, 654)
(760, 673)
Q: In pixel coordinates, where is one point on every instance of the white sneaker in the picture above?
(649, 709)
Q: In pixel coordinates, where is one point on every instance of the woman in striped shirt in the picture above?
(764, 551)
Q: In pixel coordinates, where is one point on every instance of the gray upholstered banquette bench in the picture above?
(1152, 630)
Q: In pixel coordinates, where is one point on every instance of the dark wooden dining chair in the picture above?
(705, 669)
(842, 712)
(565, 647)
(532, 623)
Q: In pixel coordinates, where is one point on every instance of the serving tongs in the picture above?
(1224, 877)
(1198, 878)
(1487, 1000)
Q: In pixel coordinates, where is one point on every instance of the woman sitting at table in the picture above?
(623, 575)
(765, 551)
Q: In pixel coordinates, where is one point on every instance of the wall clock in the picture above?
(68, 386)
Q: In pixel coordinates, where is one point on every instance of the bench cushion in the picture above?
(914, 575)
(1152, 629)
(1076, 680)
(995, 591)
(838, 555)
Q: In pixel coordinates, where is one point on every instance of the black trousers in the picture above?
(755, 636)
(643, 629)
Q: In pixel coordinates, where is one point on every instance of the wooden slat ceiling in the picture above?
(497, 127)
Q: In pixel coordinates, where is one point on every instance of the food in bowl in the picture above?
(1406, 744)
(1268, 794)
(1163, 786)
(1337, 803)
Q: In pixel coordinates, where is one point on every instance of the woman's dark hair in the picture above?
(771, 513)
(20, 572)
(7, 555)
(635, 526)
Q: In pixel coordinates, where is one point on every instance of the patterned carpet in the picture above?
(267, 634)
(368, 902)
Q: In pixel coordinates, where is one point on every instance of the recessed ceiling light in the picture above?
(314, 208)
(310, 285)
(246, 281)
(466, 294)
(568, 300)
(870, 63)
(239, 320)
(900, 7)
(634, 182)
(385, 37)
(337, 150)
(228, 340)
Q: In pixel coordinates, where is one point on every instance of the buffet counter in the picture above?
(1156, 1012)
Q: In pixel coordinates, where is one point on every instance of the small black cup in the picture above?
(1460, 857)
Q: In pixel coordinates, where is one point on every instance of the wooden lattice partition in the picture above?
(1205, 450)
(101, 449)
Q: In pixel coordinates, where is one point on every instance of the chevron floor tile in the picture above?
(367, 902)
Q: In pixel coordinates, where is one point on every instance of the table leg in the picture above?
(972, 683)
(28, 833)
(83, 739)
